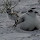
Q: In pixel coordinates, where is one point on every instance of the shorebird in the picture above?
(25, 22)
(28, 21)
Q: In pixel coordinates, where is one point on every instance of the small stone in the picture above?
(35, 12)
(33, 8)
(30, 10)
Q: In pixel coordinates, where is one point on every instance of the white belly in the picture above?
(28, 23)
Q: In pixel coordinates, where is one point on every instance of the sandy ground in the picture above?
(11, 34)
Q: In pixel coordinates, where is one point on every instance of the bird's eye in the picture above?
(16, 20)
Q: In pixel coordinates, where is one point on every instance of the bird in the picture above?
(26, 21)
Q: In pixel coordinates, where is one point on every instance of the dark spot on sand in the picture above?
(35, 12)
(33, 8)
(30, 10)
